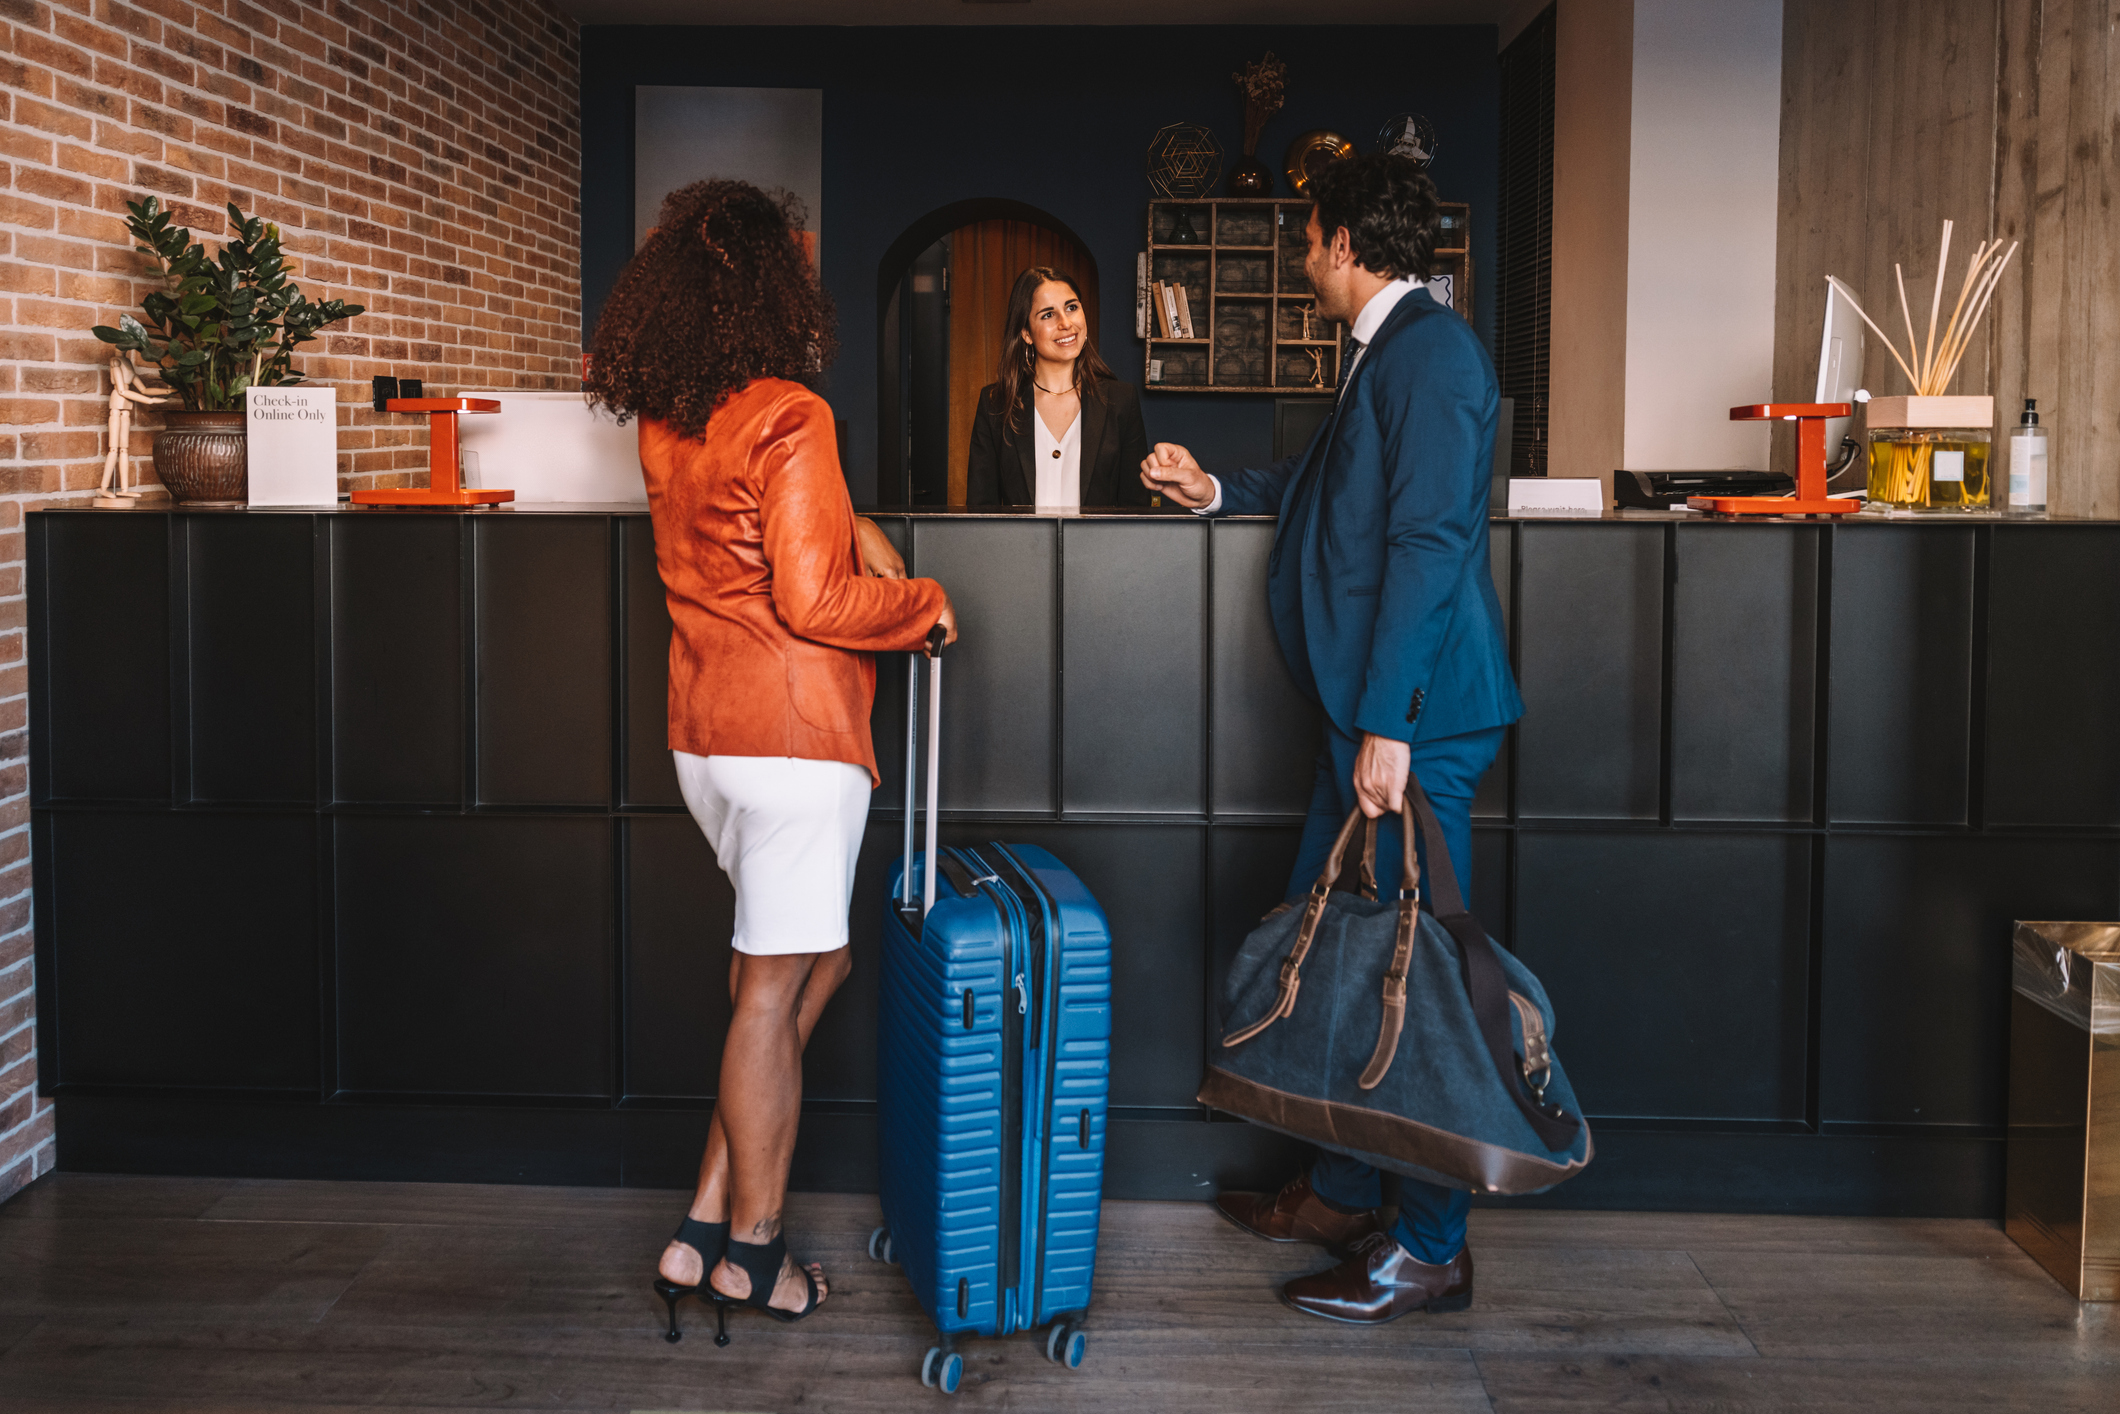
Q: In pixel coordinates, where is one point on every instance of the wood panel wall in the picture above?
(1999, 115)
(1593, 110)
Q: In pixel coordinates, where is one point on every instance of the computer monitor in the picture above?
(1840, 352)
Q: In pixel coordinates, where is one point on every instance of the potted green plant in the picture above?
(218, 325)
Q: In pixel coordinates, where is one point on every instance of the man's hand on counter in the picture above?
(1171, 471)
(878, 555)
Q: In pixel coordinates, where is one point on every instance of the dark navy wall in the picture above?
(1060, 118)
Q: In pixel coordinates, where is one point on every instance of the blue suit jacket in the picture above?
(1379, 584)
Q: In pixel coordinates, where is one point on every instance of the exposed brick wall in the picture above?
(423, 160)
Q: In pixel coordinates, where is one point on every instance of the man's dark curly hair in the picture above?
(721, 292)
(1388, 206)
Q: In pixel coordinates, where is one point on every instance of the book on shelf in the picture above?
(1173, 328)
(1156, 293)
(1185, 314)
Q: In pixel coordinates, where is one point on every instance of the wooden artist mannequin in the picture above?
(116, 491)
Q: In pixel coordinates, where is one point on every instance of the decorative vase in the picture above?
(1182, 231)
(1250, 177)
(204, 458)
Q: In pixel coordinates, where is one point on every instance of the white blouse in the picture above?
(1059, 462)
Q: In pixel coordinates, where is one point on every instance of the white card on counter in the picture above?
(1556, 496)
(294, 445)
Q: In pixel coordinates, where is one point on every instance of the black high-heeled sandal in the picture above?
(711, 1242)
(761, 1262)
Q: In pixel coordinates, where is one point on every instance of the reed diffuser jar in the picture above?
(1930, 468)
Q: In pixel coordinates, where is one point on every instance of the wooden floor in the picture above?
(193, 1294)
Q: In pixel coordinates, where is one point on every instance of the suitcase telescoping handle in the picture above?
(933, 653)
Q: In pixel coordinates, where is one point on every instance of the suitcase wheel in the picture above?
(880, 1249)
(1065, 1344)
(942, 1369)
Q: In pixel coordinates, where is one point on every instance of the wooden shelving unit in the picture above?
(1245, 284)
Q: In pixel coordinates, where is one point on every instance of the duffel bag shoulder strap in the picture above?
(1485, 982)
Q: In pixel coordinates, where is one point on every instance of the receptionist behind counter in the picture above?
(1056, 427)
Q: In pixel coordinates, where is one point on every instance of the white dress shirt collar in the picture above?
(1373, 314)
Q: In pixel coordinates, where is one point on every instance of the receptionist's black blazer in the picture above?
(1114, 444)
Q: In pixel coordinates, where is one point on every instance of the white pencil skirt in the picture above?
(787, 832)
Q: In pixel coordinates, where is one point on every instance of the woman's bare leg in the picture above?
(710, 1199)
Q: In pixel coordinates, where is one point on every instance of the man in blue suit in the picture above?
(1384, 605)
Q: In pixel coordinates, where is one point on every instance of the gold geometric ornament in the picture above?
(1184, 160)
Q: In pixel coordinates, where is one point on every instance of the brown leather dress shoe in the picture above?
(1381, 1282)
(1296, 1214)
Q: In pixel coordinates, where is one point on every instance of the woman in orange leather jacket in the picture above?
(779, 596)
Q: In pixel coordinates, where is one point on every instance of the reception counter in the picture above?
(359, 853)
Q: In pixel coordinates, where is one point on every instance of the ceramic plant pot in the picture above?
(204, 458)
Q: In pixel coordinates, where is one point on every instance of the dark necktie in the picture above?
(1354, 354)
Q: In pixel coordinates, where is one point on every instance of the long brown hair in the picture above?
(719, 294)
(1018, 357)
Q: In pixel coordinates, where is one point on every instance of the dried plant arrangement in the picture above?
(1930, 367)
(1262, 85)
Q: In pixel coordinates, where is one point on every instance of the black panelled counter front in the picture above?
(359, 854)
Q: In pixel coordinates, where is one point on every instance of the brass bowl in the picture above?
(1311, 153)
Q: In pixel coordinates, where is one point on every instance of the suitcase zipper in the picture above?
(1045, 950)
(1009, 1265)
(971, 878)
(1011, 1149)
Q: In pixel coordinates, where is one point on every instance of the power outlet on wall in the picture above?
(384, 389)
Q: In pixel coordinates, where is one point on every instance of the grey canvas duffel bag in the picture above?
(1397, 1034)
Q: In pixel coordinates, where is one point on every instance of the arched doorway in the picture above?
(943, 288)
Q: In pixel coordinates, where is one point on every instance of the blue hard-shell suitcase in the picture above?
(993, 1067)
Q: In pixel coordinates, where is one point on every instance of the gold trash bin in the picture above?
(2061, 1186)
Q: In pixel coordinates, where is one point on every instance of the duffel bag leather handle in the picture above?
(1291, 980)
(1409, 921)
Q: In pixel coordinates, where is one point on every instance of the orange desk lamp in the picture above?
(445, 480)
(1810, 498)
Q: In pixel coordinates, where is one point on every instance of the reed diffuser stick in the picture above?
(1943, 261)
(1906, 312)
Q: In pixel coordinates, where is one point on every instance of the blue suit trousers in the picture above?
(1431, 1222)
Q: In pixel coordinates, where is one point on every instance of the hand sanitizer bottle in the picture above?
(2028, 464)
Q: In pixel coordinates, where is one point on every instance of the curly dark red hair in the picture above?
(721, 292)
